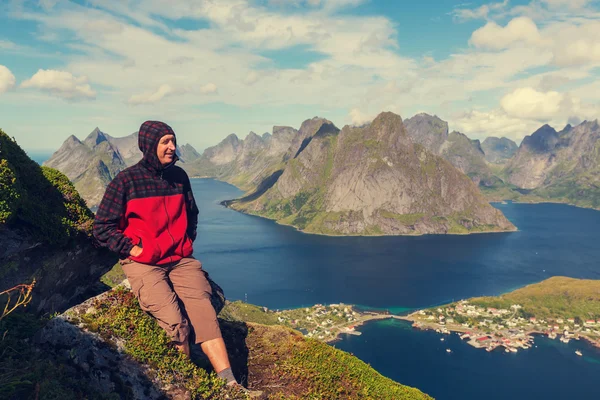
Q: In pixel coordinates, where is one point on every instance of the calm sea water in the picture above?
(278, 267)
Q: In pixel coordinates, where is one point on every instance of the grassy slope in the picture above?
(555, 297)
(280, 361)
(296, 368)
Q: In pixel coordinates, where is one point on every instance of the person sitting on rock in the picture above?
(148, 216)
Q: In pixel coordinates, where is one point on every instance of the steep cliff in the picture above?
(44, 231)
(372, 180)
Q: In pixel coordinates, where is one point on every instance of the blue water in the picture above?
(276, 266)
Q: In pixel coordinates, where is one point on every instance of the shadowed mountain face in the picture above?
(372, 180)
(92, 163)
(498, 150)
(562, 166)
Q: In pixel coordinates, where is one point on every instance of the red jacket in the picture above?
(150, 206)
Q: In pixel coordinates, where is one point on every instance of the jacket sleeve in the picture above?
(110, 213)
(192, 211)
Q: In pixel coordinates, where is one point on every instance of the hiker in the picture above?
(148, 216)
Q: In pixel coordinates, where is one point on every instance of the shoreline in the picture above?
(461, 329)
(373, 235)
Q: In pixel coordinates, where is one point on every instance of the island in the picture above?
(559, 307)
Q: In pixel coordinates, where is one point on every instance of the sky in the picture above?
(210, 68)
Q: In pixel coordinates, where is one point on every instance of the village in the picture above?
(327, 322)
(490, 328)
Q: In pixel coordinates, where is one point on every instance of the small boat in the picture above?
(513, 349)
(578, 353)
(442, 339)
(448, 351)
(506, 350)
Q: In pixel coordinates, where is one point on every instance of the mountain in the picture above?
(559, 166)
(249, 162)
(371, 180)
(92, 163)
(465, 154)
(498, 150)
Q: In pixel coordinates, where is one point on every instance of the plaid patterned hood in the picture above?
(149, 136)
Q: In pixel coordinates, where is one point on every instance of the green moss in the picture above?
(318, 371)
(240, 311)
(119, 315)
(113, 277)
(406, 219)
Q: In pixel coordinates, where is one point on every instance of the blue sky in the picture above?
(210, 68)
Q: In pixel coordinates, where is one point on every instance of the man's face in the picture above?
(166, 149)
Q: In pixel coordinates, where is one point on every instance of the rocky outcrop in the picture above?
(373, 180)
(45, 234)
(498, 150)
(92, 163)
(116, 348)
(64, 275)
(102, 359)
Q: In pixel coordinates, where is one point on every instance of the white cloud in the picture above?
(528, 103)
(493, 36)
(577, 44)
(7, 79)
(7, 45)
(152, 96)
(481, 124)
(357, 117)
(531, 104)
(209, 88)
(60, 83)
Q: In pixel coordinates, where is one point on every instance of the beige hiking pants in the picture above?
(175, 294)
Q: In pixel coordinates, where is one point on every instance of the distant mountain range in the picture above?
(358, 181)
(548, 166)
(92, 163)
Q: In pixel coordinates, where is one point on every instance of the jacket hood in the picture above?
(149, 136)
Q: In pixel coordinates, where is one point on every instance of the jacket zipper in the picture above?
(168, 220)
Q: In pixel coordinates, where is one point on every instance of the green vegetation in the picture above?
(406, 219)
(39, 199)
(118, 315)
(113, 277)
(240, 311)
(556, 297)
(307, 369)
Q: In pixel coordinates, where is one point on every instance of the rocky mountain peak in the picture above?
(541, 141)
(498, 150)
(427, 130)
(95, 138)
